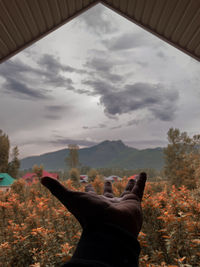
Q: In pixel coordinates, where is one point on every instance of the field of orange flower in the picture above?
(36, 230)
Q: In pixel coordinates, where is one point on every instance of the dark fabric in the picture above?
(106, 246)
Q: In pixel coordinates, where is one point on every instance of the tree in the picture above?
(14, 165)
(38, 170)
(92, 174)
(4, 151)
(73, 158)
(84, 169)
(192, 164)
(74, 175)
(178, 166)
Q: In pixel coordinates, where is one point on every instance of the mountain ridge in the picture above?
(107, 154)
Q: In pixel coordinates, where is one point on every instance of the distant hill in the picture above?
(104, 155)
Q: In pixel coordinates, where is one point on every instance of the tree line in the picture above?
(182, 161)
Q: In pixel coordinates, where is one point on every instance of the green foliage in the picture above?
(4, 151)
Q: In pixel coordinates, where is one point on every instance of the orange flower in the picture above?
(5, 245)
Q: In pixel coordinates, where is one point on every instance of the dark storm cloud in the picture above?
(97, 21)
(158, 100)
(58, 81)
(13, 67)
(53, 72)
(99, 64)
(23, 79)
(21, 90)
(103, 67)
(82, 91)
(128, 41)
(13, 71)
(99, 87)
(54, 66)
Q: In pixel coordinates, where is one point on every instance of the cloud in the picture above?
(55, 108)
(161, 55)
(21, 90)
(53, 72)
(53, 65)
(97, 20)
(143, 64)
(103, 68)
(99, 87)
(52, 117)
(143, 144)
(55, 112)
(58, 81)
(128, 41)
(154, 98)
(82, 91)
(116, 127)
(129, 123)
(22, 79)
(59, 141)
(133, 122)
(63, 141)
(100, 126)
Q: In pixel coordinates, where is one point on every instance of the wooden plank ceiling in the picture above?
(23, 22)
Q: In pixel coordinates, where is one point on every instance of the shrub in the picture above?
(37, 230)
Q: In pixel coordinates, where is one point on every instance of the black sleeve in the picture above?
(106, 246)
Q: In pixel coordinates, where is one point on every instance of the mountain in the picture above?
(104, 155)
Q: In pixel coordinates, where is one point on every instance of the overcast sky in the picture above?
(99, 77)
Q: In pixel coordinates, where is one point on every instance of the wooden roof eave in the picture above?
(49, 31)
(186, 40)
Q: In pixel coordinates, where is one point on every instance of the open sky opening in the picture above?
(99, 77)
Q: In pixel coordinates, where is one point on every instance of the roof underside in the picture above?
(23, 22)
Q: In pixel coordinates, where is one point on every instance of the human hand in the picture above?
(91, 209)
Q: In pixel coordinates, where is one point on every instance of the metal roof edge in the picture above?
(49, 31)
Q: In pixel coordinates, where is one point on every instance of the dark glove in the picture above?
(91, 209)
